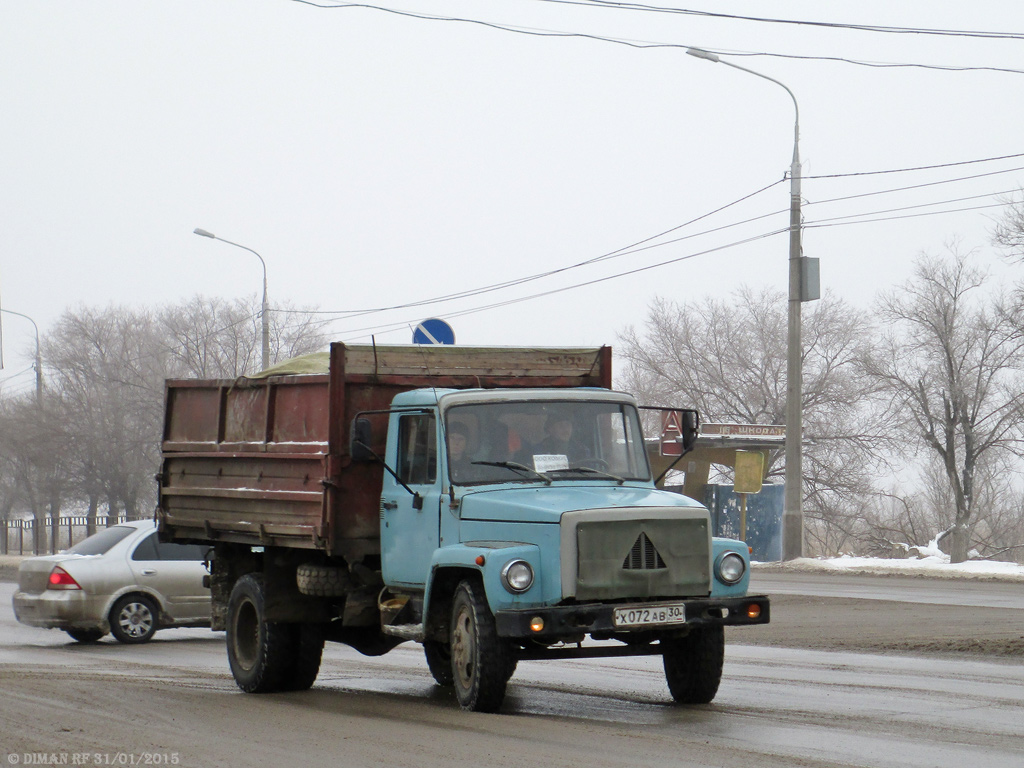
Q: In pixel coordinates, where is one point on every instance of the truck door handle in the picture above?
(389, 504)
(148, 571)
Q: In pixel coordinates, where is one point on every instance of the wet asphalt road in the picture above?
(776, 707)
(979, 593)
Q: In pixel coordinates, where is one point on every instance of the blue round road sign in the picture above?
(433, 331)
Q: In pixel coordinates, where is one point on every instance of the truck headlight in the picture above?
(517, 576)
(730, 568)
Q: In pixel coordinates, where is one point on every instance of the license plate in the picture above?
(649, 615)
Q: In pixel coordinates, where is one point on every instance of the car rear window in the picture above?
(100, 543)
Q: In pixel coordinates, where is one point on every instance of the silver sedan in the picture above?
(121, 580)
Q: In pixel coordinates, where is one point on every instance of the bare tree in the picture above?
(94, 440)
(215, 338)
(728, 359)
(34, 447)
(951, 365)
(108, 368)
(1009, 231)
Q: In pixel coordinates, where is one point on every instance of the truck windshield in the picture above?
(544, 441)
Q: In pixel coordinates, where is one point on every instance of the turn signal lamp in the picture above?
(479, 560)
(537, 624)
(753, 611)
(61, 579)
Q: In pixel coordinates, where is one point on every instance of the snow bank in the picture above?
(934, 565)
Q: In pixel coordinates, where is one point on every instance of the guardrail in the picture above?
(19, 537)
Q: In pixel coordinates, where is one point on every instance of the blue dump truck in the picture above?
(491, 504)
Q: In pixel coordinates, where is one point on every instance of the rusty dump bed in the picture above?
(266, 461)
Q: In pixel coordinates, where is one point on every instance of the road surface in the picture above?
(173, 702)
(977, 593)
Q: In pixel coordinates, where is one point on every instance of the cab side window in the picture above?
(417, 449)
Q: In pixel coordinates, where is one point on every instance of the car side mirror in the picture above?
(361, 438)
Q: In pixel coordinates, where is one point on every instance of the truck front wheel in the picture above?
(439, 662)
(693, 664)
(480, 659)
(259, 651)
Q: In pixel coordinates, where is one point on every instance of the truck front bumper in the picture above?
(552, 623)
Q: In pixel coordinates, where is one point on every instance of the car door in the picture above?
(175, 572)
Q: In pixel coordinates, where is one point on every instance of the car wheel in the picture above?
(260, 652)
(480, 659)
(133, 619)
(85, 635)
(693, 665)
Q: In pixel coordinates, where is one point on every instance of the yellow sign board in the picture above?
(749, 471)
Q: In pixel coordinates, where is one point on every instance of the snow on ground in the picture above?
(936, 566)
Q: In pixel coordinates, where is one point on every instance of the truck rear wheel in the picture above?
(693, 664)
(308, 649)
(480, 659)
(260, 652)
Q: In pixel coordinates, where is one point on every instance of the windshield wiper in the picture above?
(515, 466)
(591, 470)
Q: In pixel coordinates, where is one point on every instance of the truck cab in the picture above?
(544, 503)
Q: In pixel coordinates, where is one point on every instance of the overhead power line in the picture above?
(820, 224)
(916, 168)
(595, 281)
(535, 32)
(649, 243)
(636, 247)
(610, 4)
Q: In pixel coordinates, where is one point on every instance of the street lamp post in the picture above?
(264, 311)
(793, 515)
(39, 359)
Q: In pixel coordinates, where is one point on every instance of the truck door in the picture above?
(409, 535)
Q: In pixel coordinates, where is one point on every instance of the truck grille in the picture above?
(640, 553)
(643, 556)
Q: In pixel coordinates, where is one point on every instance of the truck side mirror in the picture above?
(691, 429)
(361, 439)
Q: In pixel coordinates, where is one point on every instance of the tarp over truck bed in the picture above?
(265, 460)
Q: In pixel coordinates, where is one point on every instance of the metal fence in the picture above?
(18, 537)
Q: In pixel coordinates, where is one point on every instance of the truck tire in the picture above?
(439, 661)
(322, 580)
(308, 649)
(480, 659)
(693, 664)
(260, 652)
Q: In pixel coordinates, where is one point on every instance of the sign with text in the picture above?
(744, 430)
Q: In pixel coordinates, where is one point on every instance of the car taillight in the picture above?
(61, 579)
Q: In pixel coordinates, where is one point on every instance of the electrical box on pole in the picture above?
(810, 279)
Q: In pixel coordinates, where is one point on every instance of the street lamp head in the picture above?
(203, 233)
(702, 54)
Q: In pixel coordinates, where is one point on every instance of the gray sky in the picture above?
(374, 159)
